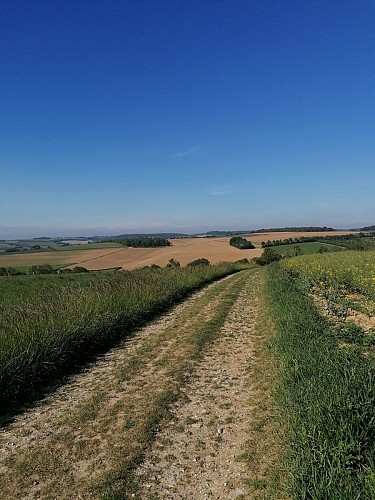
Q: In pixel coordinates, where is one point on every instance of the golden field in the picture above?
(184, 250)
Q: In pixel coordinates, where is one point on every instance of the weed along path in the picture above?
(182, 410)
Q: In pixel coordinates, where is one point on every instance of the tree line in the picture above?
(349, 240)
(146, 242)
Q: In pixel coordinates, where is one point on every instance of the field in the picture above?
(306, 248)
(274, 361)
(184, 250)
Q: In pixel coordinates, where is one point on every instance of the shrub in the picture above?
(198, 262)
(41, 269)
(243, 261)
(267, 257)
(173, 263)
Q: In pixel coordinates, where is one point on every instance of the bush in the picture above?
(173, 263)
(241, 243)
(42, 269)
(267, 257)
(198, 262)
(9, 271)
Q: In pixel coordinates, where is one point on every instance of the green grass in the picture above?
(327, 397)
(306, 248)
(47, 323)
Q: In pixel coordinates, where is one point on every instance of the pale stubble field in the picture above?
(184, 250)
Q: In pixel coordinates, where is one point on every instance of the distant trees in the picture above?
(240, 242)
(352, 240)
(145, 242)
(301, 229)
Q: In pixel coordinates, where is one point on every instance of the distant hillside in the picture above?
(302, 229)
(143, 235)
(224, 233)
(367, 228)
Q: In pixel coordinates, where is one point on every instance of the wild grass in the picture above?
(327, 397)
(48, 323)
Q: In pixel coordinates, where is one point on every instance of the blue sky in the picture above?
(170, 115)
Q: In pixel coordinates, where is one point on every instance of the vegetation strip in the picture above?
(113, 412)
(327, 397)
(49, 323)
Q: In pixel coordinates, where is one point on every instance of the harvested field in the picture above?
(61, 258)
(184, 250)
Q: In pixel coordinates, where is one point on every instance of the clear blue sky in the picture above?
(143, 115)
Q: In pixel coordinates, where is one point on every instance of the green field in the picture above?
(306, 248)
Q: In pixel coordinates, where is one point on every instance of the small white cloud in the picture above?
(188, 152)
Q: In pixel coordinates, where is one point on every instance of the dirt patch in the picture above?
(367, 323)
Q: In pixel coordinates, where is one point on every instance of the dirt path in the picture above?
(199, 454)
(86, 440)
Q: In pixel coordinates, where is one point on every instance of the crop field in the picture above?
(347, 279)
(56, 259)
(184, 250)
(306, 248)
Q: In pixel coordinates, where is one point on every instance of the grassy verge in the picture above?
(48, 324)
(327, 397)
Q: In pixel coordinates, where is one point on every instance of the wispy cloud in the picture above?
(188, 152)
(218, 191)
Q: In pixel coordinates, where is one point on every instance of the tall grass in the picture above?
(48, 323)
(327, 395)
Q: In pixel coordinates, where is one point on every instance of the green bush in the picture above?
(42, 269)
(241, 243)
(267, 257)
